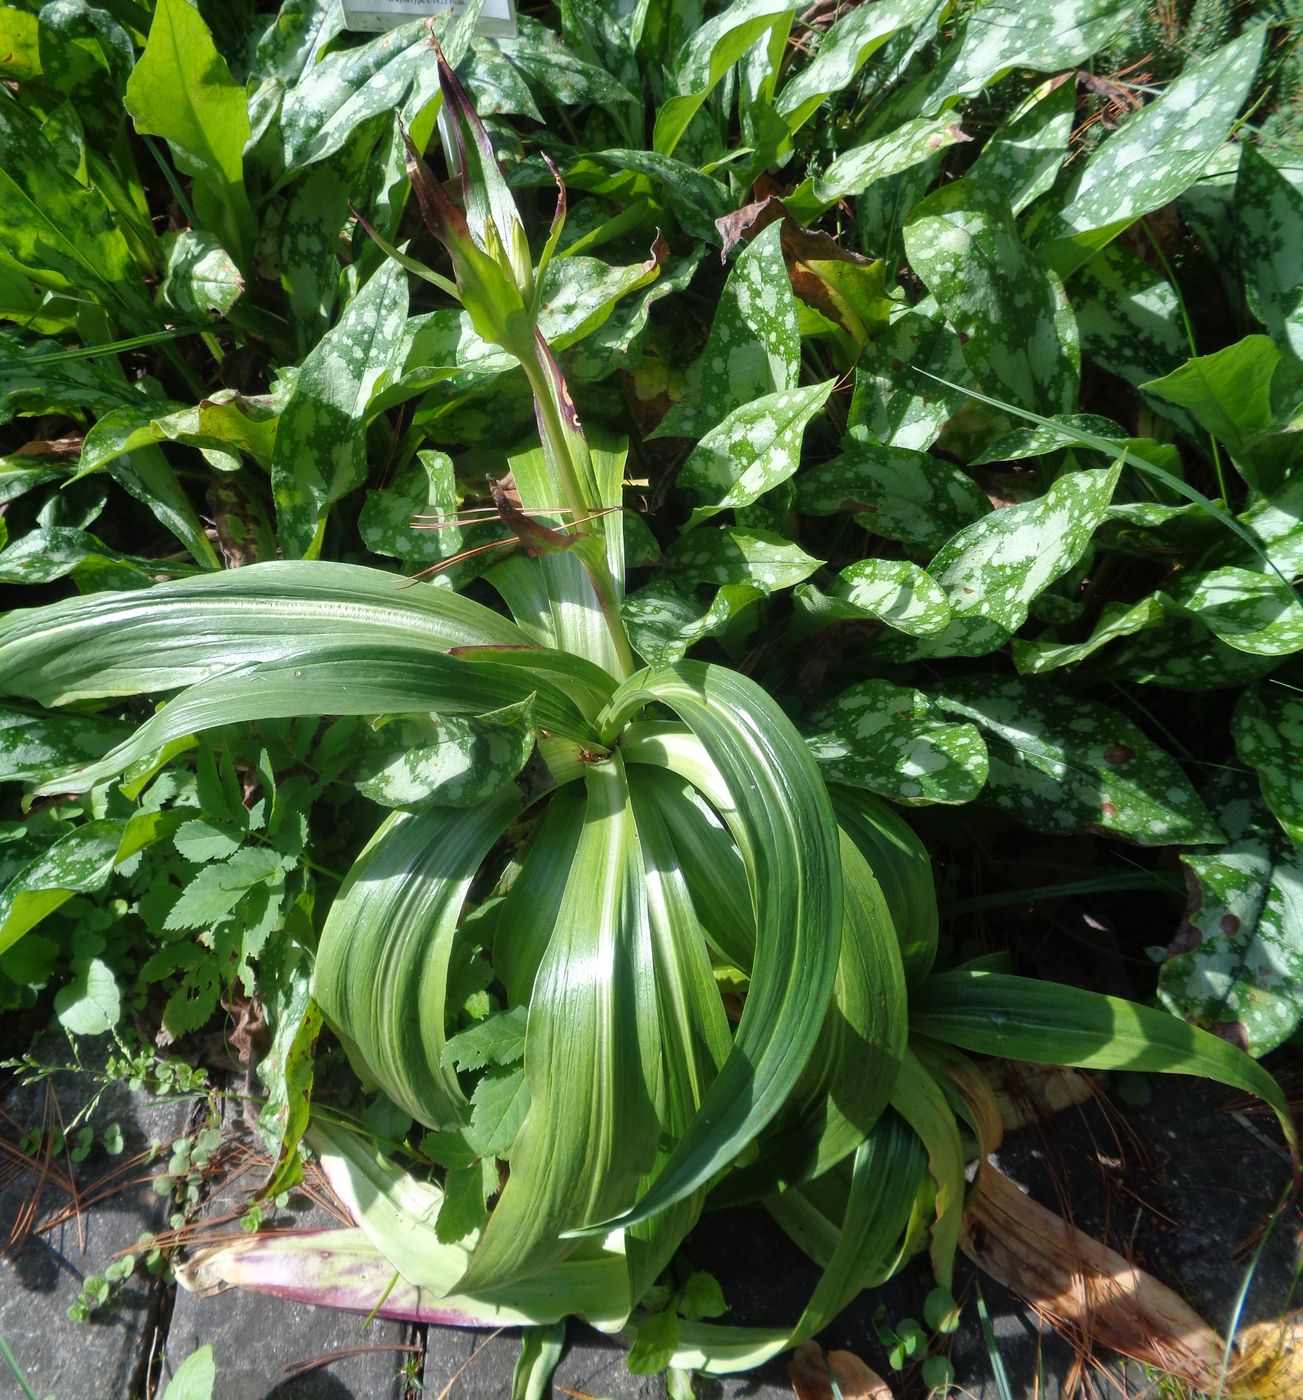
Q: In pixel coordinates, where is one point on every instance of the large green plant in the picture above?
(671, 840)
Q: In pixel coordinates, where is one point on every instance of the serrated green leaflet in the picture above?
(1235, 962)
(892, 740)
(1023, 1019)
(1061, 763)
(1156, 155)
(182, 90)
(1011, 314)
(993, 569)
(899, 494)
(754, 347)
(754, 449)
(1268, 731)
(320, 451)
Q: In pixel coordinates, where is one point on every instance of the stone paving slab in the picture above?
(41, 1276)
(263, 1345)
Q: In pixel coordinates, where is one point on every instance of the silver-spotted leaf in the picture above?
(1268, 730)
(1010, 311)
(1025, 154)
(1269, 214)
(1060, 763)
(400, 519)
(664, 621)
(754, 347)
(1237, 960)
(1157, 154)
(902, 495)
(1115, 620)
(1249, 610)
(896, 742)
(893, 591)
(759, 558)
(993, 569)
(756, 448)
(200, 279)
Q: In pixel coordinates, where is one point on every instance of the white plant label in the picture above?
(497, 19)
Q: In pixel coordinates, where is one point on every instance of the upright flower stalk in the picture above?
(501, 289)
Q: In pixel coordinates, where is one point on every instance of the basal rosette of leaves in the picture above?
(637, 936)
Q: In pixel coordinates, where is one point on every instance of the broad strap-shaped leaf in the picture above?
(920, 1101)
(993, 569)
(591, 1047)
(320, 451)
(1269, 211)
(1011, 313)
(381, 974)
(330, 678)
(754, 449)
(1156, 155)
(1061, 763)
(769, 793)
(1021, 1018)
(182, 90)
(894, 741)
(1268, 730)
(156, 639)
(1235, 962)
(900, 494)
(705, 57)
(754, 347)
(901, 865)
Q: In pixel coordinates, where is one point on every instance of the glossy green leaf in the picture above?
(1061, 763)
(1011, 314)
(1268, 731)
(754, 449)
(893, 741)
(20, 57)
(1020, 1018)
(1269, 210)
(179, 633)
(899, 494)
(1248, 610)
(1156, 155)
(382, 965)
(182, 90)
(733, 555)
(1028, 148)
(993, 569)
(854, 171)
(320, 451)
(707, 55)
(754, 348)
(1235, 962)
